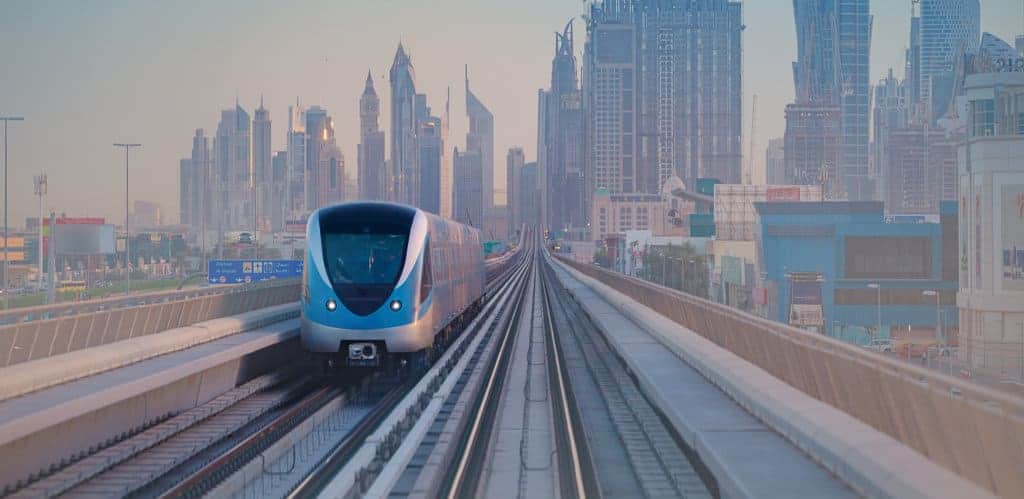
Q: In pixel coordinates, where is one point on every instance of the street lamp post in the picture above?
(938, 311)
(7, 267)
(127, 234)
(39, 184)
(878, 287)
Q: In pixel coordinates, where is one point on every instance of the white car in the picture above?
(879, 345)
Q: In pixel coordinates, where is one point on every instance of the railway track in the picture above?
(285, 434)
(635, 452)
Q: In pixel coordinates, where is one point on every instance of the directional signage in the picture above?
(246, 271)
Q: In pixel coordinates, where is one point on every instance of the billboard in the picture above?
(782, 194)
(84, 239)
(247, 271)
(1011, 213)
(805, 305)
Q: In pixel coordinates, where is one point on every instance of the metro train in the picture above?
(385, 282)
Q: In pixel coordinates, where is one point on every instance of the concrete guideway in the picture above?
(521, 459)
(380, 463)
(968, 429)
(49, 426)
(631, 450)
(93, 324)
(707, 391)
(42, 373)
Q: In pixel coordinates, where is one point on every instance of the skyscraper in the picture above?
(185, 191)
(662, 92)
(562, 139)
(296, 148)
(775, 162)
(446, 160)
(430, 146)
(403, 127)
(468, 201)
(528, 195)
(480, 139)
(232, 163)
(261, 164)
(201, 183)
(373, 179)
(325, 164)
(611, 66)
(811, 146)
(514, 162)
(833, 49)
(892, 110)
(277, 208)
(691, 83)
(948, 29)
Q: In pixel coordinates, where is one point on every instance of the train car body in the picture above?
(382, 280)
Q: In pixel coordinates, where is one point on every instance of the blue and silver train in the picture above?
(385, 282)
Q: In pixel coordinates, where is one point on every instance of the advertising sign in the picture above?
(783, 194)
(248, 271)
(1012, 215)
(805, 307)
(84, 239)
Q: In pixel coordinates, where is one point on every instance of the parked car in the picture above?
(880, 345)
(941, 351)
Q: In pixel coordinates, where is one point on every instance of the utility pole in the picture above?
(39, 184)
(878, 288)
(7, 265)
(127, 234)
(51, 288)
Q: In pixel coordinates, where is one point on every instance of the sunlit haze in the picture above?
(88, 75)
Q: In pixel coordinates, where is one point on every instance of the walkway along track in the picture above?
(633, 451)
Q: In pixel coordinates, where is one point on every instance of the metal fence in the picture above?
(38, 339)
(971, 430)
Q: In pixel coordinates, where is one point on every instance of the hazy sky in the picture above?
(88, 74)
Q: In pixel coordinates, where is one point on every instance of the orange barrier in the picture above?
(45, 338)
(971, 430)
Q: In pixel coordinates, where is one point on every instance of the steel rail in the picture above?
(207, 476)
(577, 487)
(463, 482)
(324, 472)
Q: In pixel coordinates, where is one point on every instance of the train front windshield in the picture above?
(364, 258)
(364, 249)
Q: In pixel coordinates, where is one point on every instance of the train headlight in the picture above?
(396, 306)
(331, 305)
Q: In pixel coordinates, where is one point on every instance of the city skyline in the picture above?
(67, 133)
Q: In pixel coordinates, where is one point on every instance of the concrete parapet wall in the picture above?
(41, 373)
(58, 428)
(894, 420)
(27, 341)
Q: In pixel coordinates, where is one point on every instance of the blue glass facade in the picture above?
(841, 248)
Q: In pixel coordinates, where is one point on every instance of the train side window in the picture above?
(427, 278)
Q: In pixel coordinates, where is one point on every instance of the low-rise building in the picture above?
(991, 171)
(844, 269)
(663, 214)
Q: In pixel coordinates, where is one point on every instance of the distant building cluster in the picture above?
(235, 182)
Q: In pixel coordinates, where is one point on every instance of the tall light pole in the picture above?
(938, 311)
(7, 266)
(878, 287)
(127, 234)
(39, 184)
